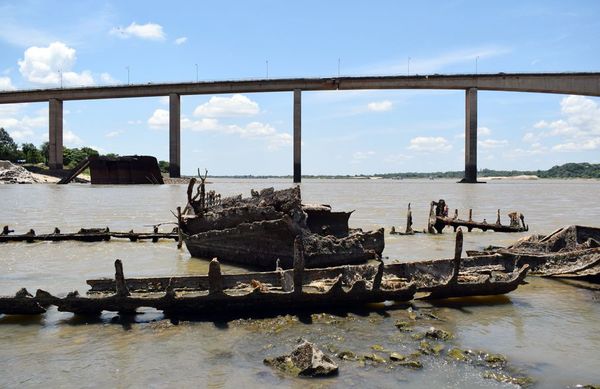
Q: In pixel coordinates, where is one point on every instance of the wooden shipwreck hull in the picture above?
(259, 231)
(569, 252)
(278, 291)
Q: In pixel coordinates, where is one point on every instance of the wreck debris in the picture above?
(569, 252)
(86, 235)
(261, 229)
(136, 169)
(280, 290)
(436, 279)
(439, 219)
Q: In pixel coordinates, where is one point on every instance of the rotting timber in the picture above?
(259, 231)
(441, 278)
(279, 291)
(568, 252)
(439, 219)
(86, 235)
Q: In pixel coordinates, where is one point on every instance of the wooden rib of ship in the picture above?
(279, 291)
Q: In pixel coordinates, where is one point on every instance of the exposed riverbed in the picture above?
(547, 329)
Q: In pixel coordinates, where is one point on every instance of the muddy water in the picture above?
(547, 329)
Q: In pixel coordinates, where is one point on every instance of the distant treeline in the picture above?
(568, 170)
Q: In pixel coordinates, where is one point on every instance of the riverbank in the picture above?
(11, 173)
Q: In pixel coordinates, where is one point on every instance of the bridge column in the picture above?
(174, 136)
(297, 135)
(470, 136)
(55, 134)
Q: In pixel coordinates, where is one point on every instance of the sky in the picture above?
(49, 44)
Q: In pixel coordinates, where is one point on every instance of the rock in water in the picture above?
(305, 360)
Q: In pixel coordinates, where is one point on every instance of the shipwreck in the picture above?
(259, 230)
(568, 252)
(279, 291)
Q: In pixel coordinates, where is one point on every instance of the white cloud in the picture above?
(24, 128)
(577, 130)
(44, 65)
(279, 140)
(71, 139)
(429, 144)
(483, 131)
(590, 144)
(164, 100)
(151, 31)
(256, 129)
(236, 105)
(492, 143)
(22, 136)
(380, 106)
(159, 119)
(534, 149)
(204, 124)
(112, 134)
(108, 79)
(531, 137)
(253, 130)
(181, 40)
(6, 84)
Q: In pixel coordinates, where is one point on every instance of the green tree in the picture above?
(8, 147)
(31, 154)
(45, 150)
(72, 157)
(163, 166)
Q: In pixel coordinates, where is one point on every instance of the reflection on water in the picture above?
(548, 327)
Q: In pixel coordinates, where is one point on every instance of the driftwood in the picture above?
(86, 235)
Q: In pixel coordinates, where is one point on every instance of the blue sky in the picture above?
(352, 132)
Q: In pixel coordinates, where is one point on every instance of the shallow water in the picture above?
(547, 329)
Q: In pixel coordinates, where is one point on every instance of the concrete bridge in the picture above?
(563, 83)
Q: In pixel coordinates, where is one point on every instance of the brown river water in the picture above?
(547, 329)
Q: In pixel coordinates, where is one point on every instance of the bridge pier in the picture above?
(470, 136)
(297, 136)
(174, 135)
(55, 134)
